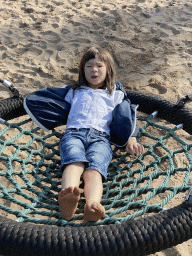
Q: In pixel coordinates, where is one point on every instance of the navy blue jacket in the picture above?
(48, 108)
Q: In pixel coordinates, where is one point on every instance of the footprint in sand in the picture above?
(168, 27)
(51, 37)
(157, 85)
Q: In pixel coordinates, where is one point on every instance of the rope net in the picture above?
(30, 179)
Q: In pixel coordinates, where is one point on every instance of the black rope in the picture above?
(167, 110)
(12, 107)
(134, 238)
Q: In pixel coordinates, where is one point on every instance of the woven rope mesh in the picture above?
(30, 179)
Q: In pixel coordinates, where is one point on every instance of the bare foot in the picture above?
(94, 212)
(68, 201)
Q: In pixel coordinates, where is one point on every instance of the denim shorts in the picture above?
(86, 145)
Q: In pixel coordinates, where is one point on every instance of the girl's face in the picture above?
(95, 72)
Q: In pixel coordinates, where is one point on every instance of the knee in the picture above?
(74, 165)
(91, 174)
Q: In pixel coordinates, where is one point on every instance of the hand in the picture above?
(133, 147)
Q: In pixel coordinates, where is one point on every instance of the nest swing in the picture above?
(30, 169)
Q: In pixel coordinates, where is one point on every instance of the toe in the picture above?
(77, 191)
(70, 190)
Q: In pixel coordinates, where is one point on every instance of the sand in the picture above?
(41, 43)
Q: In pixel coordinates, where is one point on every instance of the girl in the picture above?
(85, 146)
(96, 112)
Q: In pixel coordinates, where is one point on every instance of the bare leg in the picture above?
(71, 175)
(93, 190)
(70, 194)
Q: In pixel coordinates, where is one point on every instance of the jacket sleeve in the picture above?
(123, 125)
(47, 107)
(133, 109)
(136, 132)
(134, 119)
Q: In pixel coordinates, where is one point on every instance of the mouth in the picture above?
(94, 77)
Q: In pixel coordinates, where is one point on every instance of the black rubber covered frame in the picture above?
(134, 238)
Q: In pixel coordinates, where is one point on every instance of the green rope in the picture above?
(30, 172)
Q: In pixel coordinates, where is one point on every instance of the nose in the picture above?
(94, 68)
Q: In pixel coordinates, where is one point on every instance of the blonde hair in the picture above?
(92, 53)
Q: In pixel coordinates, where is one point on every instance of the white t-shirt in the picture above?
(92, 108)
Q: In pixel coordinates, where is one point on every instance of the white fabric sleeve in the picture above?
(119, 97)
(69, 95)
